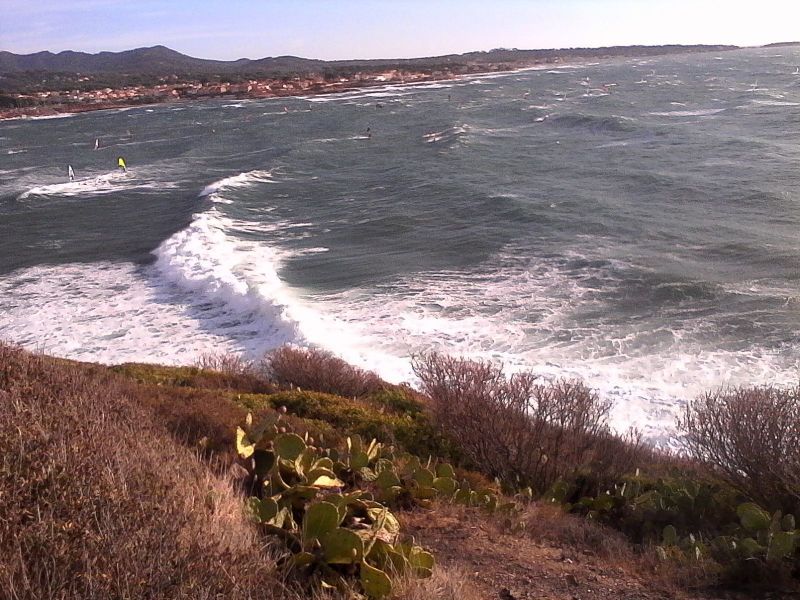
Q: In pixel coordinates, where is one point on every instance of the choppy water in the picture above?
(634, 223)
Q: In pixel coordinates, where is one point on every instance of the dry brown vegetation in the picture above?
(98, 501)
(446, 584)
(519, 430)
(117, 482)
(321, 371)
(751, 438)
(558, 557)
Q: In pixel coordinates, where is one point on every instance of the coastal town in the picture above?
(173, 88)
(50, 84)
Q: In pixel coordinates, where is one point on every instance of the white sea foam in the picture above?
(107, 312)
(775, 103)
(387, 91)
(206, 292)
(447, 134)
(240, 280)
(536, 325)
(688, 113)
(101, 184)
(210, 291)
(45, 117)
(234, 181)
(239, 276)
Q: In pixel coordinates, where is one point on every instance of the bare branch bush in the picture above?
(227, 369)
(751, 438)
(517, 429)
(225, 362)
(321, 371)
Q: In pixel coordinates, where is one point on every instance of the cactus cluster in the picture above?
(641, 507)
(757, 536)
(331, 507)
(421, 483)
(309, 498)
(660, 509)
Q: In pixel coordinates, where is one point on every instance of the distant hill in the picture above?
(68, 70)
(160, 60)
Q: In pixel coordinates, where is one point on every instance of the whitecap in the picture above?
(688, 113)
(102, 184)
(234, 181)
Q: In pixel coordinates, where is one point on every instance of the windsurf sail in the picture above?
(121, 164)
(96, 143)
(71, 173)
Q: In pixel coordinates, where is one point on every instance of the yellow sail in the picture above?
(121, 163)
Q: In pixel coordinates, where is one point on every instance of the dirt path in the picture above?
(520, 567)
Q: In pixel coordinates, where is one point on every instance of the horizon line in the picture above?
(505, 49)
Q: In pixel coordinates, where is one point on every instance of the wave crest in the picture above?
(593, 123)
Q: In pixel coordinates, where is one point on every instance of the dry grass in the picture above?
(97, 500)
(218, 372)
(451, 583)
(195, 417)
(234, 372)
(577, 535)
(549, 522)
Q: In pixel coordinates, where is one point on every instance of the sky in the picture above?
(342, 29)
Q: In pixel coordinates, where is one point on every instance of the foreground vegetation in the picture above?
(302, 476)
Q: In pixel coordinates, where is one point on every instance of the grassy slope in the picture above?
(116, 482)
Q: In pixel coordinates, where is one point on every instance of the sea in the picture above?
(632, 223)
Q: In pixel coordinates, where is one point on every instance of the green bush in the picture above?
(368, 418)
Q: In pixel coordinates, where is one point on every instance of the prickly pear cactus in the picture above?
(315, 502)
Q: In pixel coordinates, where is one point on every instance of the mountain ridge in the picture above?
(163, 60)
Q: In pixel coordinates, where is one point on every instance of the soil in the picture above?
(517, 567)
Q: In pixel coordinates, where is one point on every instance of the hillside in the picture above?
(151, 481)
(160, 60)
(45, 71)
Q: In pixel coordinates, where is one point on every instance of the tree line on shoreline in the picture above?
(44, 71)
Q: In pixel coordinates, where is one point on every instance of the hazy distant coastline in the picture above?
(45, 84)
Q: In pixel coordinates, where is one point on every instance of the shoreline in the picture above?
(54, 110)
(55, 103)
(108, 87)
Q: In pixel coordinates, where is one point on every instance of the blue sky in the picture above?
(384, 28)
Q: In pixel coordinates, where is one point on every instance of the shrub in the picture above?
(399, 399)
(225, 362)
(227, 377)
(751, 438)
(515, 429)
(321, 371)
(413, 431)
